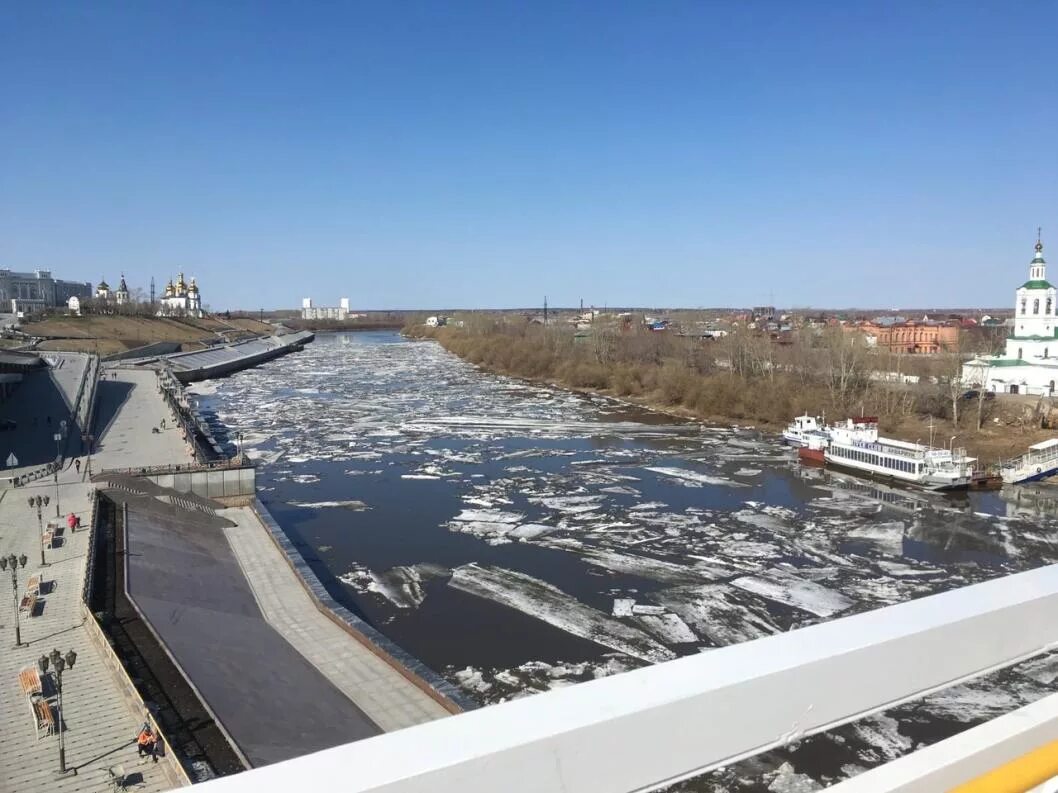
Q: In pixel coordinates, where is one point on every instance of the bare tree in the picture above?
(951, 374)
(845, 364)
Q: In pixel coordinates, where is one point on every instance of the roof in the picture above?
(1036, 285)
(1052, 363)
(1049, 444)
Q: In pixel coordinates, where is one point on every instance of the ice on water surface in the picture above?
(647, 536)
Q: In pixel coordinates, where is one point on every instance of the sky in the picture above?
(489, 154)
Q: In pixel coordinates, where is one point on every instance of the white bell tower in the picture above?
(1035, 313)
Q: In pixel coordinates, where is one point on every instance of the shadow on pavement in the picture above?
(110, 396)
(37, 407)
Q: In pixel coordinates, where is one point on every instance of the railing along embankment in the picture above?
(196, 433)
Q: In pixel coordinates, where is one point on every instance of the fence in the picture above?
(221, 482)
(173, 392)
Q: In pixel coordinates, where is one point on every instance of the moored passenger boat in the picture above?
(856, 445)
(798, 430)
(814, 450)
(1039, 462)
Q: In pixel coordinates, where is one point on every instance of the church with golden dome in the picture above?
(181, 299)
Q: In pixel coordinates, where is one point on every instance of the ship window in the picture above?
(1036, 306)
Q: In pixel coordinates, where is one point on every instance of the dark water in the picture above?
(498, 523)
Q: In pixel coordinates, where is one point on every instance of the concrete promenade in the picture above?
(128, 407)
(100, 723)
(101, 729)
(379, 690)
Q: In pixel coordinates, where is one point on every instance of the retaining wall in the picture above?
(219, 361)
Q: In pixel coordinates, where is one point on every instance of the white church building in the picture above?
(181, 299)
(1029, 364)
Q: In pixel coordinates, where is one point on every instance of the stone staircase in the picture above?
(146, 494)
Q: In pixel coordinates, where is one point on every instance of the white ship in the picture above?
(798, 431)
(855, 445)
(1039, 462)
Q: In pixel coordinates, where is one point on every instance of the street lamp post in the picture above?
(58, 457)
(14, 562)
(89, 438)
(59, 663)
(39, 502)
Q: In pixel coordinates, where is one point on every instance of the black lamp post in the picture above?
(14, 562)
(58, 456)
(38, 502)
(89, 439)
(59, 663)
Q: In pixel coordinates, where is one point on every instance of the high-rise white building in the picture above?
(340, 312)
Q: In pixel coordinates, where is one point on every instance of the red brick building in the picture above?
(914, 337)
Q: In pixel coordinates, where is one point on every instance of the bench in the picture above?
(29, 679)
(28, 604)
(43, 717)
(33, 585)
(47, 538)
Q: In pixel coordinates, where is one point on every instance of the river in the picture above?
(519, 538)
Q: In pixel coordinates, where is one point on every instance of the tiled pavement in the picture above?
(100, 727)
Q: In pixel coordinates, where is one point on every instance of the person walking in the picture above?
(77, 464)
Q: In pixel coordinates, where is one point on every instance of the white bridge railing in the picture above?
(641, 730)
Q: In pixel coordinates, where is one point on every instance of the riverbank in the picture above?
(677, 385)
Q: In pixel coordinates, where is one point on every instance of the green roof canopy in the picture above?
(1037, 285)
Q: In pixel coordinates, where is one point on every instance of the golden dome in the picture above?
(194, 287)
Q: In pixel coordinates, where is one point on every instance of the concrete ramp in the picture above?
(184, 578)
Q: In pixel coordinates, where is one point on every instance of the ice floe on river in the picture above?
(548, 603)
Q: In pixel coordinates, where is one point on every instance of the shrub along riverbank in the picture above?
(745, 378)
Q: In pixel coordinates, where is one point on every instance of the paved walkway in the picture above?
(100, 729)
(385, 695)
(127, 409)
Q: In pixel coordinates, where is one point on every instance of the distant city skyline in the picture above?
(484, 155)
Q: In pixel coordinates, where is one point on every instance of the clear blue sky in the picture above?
(484, 154)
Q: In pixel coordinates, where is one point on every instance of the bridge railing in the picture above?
(645, 729)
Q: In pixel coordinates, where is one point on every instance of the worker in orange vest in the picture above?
(146, 742)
